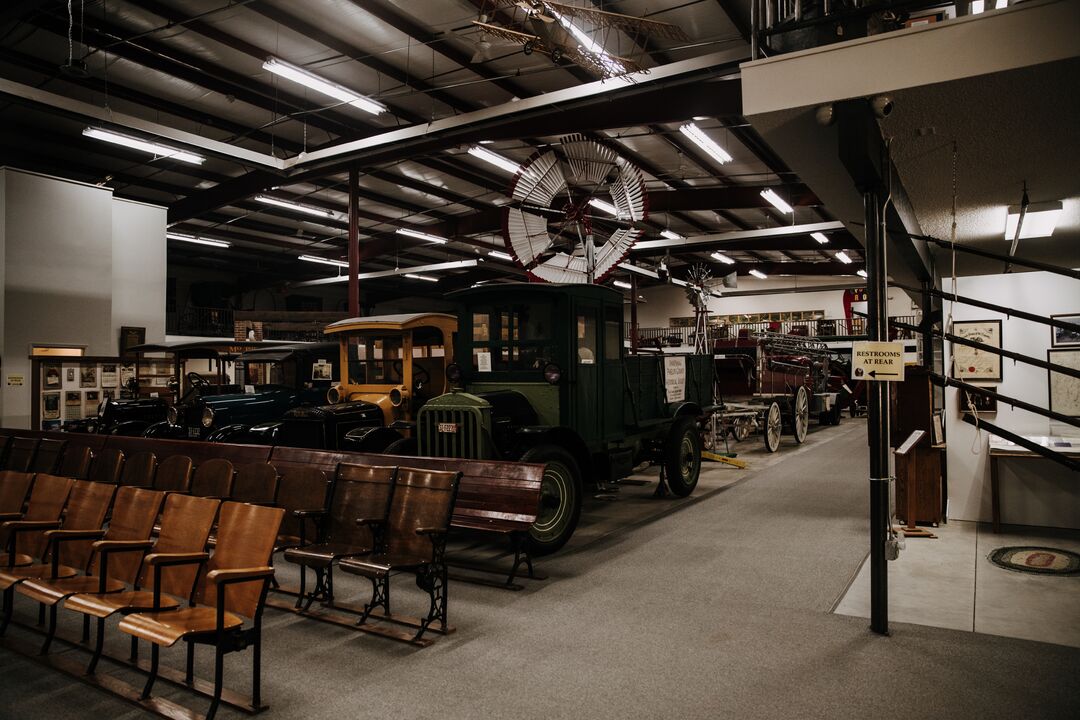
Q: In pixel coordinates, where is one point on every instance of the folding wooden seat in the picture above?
(256, 483)
(213, 479)
(20, 454)
(75, 462)
(415, 541)
(5, 441)
(173, 474)
(232, 588)
(106, 466)
(14, 487)
(116, 557)
(47, 501)
(60, 553)
(138, 469)
(47, 457)
(360, 501)
(168, 573)
(301, 489)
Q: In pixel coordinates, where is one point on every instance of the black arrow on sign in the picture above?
(875, 373)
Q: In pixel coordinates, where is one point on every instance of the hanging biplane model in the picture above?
(550, 28)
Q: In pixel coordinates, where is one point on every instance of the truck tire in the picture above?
(682, 456)
(402, 446)
(560, 499)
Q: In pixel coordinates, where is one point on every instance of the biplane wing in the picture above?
(603, 65)
(512, 35)
(601, 18)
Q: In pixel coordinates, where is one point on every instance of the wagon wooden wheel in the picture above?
(774, 425)
(800, 414)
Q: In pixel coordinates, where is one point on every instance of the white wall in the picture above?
(1033, 492)
(64, 256)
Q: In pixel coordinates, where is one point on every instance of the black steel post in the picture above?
(877, 416)
(927, 326)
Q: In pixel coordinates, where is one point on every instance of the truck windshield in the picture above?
(515, 338)
(375, 359)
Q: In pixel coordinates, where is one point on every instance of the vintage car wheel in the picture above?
(774, 425)
(742, 428)
(682, 456)
(800, 414)
(402, 446)
(560, 499)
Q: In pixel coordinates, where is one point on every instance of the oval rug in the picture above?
(1036, 560)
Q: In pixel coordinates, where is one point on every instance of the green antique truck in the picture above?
(541, 374)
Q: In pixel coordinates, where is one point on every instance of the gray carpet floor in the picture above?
(721, 609)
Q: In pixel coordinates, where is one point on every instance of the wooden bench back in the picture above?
(106, 465)
(47, 457)
(301, 488)
(134, 513)
(185, 527)
(213, 478)
(422, 499)
(20, 454)
(138, 469)
(246, 535)
(359, 491)
(75, 462)
(87, 507)
(47, 501)
(14, 487)
(174, 474)
(255, 482)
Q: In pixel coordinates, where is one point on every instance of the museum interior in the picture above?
(667, 359)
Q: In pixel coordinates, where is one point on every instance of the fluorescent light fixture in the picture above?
(861, 273)
(323, 261)
(421, 235)
(843, 257)
(604, 207)
(500, 255)
(621, 284)
(145, 145)
(820, 237)
(298, 207)
(977, 6)
(326, 87)
(1039, 220)
(197, 240)
(758, 274)
(723, 258)
(415, 276)
(671, 235)
(1001, 4)
(706, 143)
(494, 158)
(776, 201)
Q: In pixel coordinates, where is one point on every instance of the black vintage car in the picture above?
(122, 417)
(275, 380)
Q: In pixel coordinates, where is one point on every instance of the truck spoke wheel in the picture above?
(560, 499)
(773, 427)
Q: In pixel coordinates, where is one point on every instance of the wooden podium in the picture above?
(920, 462)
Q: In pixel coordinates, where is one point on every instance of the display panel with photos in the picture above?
(977, 364)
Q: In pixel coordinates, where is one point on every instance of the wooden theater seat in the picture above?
(106, 466)
(256, 483)
(229, 601)
(213, 479)
(173, 475)
(300, 488)
(47, 457)
(360, 501)
(168, 573)
(14, 487)
(415, 542)
(47, 501)
(138, 469)
(75, 462)
(20, 454)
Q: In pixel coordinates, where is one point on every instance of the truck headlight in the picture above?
(333, 395)
(171, 415)
(397, 397)
(453, 372)
(552, 373)
(207, 417)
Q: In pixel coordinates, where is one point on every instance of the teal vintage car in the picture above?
(541, 375)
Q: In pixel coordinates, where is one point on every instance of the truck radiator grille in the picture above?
(451, 432)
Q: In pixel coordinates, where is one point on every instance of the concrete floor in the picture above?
(948, 582)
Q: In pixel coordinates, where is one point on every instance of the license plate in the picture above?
(193, 432)
(448, 427)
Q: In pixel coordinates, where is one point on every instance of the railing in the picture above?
(822, 329)
(200, 321)
(286, 326)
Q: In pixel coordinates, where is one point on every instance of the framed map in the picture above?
(973, 363)
(1064, 390)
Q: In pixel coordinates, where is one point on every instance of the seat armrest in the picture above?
(431, 531)
(370, 521)
(220, 577)
(29, 525)
(106, 546)
(68, 535)
(10, 516)
(168, 559)
(311, 512)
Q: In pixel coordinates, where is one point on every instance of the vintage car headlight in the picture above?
(333, 395)
(397, 397)
(207, 417)
(453, 372)
(171, 415)
(552, 373)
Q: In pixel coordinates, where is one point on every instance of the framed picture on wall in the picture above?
(979, 404)
(1064, 390)
(1061, 337)
(88, 376)
(50, 406)
(971, 363)
(51, 374)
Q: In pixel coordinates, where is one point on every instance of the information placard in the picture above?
(877, 361)
(675, 378)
